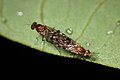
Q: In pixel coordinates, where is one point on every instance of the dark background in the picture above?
(19, 58)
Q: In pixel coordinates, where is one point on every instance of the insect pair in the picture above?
(60, 40)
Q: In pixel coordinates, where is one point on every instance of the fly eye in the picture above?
(34, 25)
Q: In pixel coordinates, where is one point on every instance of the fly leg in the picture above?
(37, 38)
(59, 50)
(73, 55)
(43, 39)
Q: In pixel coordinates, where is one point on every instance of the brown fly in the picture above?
(59, 39)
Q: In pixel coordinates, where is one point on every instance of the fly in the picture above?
(59, 39)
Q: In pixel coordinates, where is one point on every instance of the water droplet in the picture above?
(110, 32)
(118, 23)
(87, 44)
(4, 20)
(19, 13)
(69, 31)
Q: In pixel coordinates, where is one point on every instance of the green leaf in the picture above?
(95, 25)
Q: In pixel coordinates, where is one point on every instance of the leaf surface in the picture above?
(95, 25)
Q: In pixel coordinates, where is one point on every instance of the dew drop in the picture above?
(69, 31)
(118, 23)
(19, 13)
(110, 32)
(87, 44)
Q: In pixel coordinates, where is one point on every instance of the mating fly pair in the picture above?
(60, 40)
